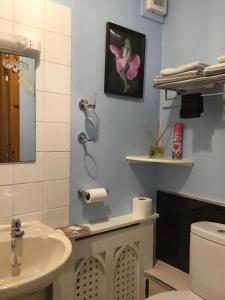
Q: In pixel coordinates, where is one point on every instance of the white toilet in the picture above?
(207, 265)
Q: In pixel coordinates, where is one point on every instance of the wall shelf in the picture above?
(169, 161)
(110, 224)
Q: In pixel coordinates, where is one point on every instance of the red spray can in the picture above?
(177, 141)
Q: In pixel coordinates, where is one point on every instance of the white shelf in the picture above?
(169, 161)
(111, 224)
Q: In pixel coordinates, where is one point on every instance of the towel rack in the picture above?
(167, 107)
(180, 93)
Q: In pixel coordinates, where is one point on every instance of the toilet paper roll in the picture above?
(96, 195)
(142, 207)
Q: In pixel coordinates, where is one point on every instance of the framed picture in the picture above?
(124, 61)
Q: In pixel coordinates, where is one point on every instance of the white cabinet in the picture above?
(108, 265)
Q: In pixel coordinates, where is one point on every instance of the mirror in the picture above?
(17, 108)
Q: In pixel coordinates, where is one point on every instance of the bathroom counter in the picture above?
(169, 275)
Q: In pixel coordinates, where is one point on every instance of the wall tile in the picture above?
(40, 76)
(56, 194)
(6, 9)
(57, 107)
(30, 172)
(40, 106)
(36, 216)
(6, 201)
(57, 165)
(30, 12)
(6, 174)
(56, 217)
(57, 48)
(22, 186)
(34, 33)
(57, 78)
(6, 26)
(5, 221)
(28, 198)
(40, 136)
(57, 137)
(58, 18)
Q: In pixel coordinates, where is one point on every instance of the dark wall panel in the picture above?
(177, 213)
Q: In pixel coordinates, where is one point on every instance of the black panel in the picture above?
(177, 213)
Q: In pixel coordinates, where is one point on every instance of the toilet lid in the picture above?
(176, 295)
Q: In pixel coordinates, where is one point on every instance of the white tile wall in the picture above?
(57, 165)
(56, 194)
(40, 146)
(40, 106)
(40, 190)
(6, 174)
(56, 217)
(6, 9)
(6, 201)
(57, 137)
(58, 18)
(28, 198)
(57, 78)
(30, 12)
(58, 48)
(30, 172)
(6, 26)
(61, 111)
(40, 76)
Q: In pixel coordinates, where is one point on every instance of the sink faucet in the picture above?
(16, 232)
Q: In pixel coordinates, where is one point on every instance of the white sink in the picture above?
(44, 252)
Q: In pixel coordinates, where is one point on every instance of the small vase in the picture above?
(156, 152)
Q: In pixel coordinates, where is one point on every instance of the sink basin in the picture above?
(43, 254)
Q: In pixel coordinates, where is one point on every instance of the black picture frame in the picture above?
(124, 61)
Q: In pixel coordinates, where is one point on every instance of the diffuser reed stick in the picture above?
(156, 150)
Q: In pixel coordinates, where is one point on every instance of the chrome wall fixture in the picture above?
(83, 138)
(83, 194)
(88, 105)
(84, 105)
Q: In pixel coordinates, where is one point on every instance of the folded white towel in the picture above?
(184, 74)
(214, 69)
(168, 71)
(189, 67)
(178, 77)
(221, 59)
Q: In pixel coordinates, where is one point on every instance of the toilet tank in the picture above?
(207, 260)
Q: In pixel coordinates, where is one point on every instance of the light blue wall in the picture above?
(121, 119)
(194, 30)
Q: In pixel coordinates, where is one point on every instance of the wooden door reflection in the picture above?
(9, 111)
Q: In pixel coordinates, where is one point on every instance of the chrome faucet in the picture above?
(16, 232)
(16, 244)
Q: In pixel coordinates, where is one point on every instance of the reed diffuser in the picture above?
(156, 149)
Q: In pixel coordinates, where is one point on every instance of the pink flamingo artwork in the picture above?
(127, 64)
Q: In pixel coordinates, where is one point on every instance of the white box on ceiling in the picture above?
(158, 7)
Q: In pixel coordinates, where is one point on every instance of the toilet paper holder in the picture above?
(85, 195)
